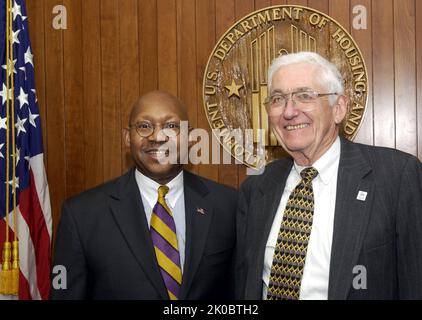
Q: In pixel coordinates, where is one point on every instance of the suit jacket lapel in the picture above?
(128, 211)
(351, 218)
(271, 188)
(197, 226)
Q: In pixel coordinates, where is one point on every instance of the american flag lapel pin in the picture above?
(200, 210)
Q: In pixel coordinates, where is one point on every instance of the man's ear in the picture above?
(340, 109)
(126, 136)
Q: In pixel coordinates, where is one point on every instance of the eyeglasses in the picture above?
(145, 128)
(276, 103)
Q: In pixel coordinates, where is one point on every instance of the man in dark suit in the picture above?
(336, 220)
(157, 232)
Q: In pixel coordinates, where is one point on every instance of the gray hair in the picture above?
(330, 77)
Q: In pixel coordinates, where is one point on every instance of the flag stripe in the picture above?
(24, 292)
(36, 164)
(31, 211)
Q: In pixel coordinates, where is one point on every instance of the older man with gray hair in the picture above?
(336, 219)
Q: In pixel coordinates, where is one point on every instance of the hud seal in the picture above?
(235, 79)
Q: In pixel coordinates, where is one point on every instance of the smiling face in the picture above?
(157, 108)
(305, 135)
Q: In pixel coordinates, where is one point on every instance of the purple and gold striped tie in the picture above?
(163, 234)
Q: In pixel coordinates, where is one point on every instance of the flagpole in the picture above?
(15, 244)
(9, 279)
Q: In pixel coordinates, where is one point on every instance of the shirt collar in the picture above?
(149, 188)
(326, 164)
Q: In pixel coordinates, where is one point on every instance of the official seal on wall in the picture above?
(235, 78)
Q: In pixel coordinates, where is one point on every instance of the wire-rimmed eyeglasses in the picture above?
(276, 103)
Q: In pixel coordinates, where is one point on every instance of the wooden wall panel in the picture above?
(113, 51)
(167, 45)
(73, 99)
(363, 38)
(404, 80)
(55, 115)
(260, 4)
(92, 102)
(148, 45)
(111, 131)
(186, 49)
(129, 68)
(320, 5)
(205, 41)
(298, 2)
(277, 2)
(418, 19)
(383, 73)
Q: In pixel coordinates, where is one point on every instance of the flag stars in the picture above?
(29, 57)
(17, 156)
(16, 180)
(10, 67)
(3, 123)
(23, 98)
(1, 147)
(17, 11)
(4, 95)
(32, 118)
(20, 126)
(15, 35)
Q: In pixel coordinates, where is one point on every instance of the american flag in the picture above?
(34, 225)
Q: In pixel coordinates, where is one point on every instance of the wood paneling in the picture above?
(167, 45)
(55, 115)
(92, 103)
(113, 51)
(205, 41)
(187, 83)
(129, 66)
(148, 45)
(364, 39)
(110, 88)
(418, 19)
(383, 73)
(404, 75)
(73, 99)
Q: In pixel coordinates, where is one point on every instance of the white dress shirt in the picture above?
(314, 285)
(175, 199)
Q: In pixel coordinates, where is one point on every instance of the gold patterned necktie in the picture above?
(163, 235)
(292, 241)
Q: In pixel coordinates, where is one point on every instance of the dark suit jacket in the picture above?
(382, 233)
(104, 242)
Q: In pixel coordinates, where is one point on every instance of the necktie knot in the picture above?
(162, 191)
(308, 174)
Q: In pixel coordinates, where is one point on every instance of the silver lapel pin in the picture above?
(200, 210)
